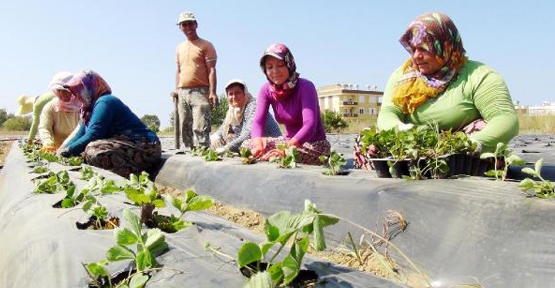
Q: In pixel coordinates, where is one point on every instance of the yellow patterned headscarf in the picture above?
(437, 33)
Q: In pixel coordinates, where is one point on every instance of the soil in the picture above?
(4, 150)
(377, 265)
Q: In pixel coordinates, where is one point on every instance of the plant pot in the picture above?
(390, 168)
(468, 165)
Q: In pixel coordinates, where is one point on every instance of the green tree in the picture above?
(4, 116)
(218, 113)
(333, 121)
(151, 121)
(17, 124)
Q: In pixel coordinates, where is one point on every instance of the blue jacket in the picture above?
(109, 118)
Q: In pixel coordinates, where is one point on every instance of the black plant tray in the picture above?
(459, 164)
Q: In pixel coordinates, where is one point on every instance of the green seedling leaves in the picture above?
(138, 281)
(248, 253)
(333, 162)
(542, 188)
(279, 229)
(119, 253)
(260, 280)
(125, 237)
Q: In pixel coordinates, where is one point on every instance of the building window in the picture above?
(371, 111)
(361, 98)
(361, 111)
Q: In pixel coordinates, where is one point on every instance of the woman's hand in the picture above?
(274, 153)
(48, 149)
(259, 144)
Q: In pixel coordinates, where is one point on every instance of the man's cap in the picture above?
(186, 16)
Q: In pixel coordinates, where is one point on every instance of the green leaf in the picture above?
(138, 281)
(67, 203)
(276, 272)
(97, 270)
(266, 246)
(200, 203)
(248, 253)
(538, 166)
(260, 280)
(145, 260)
(487, 155)
(290, 269)
(526, 184)
(154, 237)
(118, 253)
(124, 236)
(529, 171)
(133, 220)
(515, 160)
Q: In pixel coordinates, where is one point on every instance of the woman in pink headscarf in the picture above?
(294, 101)
(110, 135)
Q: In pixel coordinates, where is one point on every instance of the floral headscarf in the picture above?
(437, 33)
(88, 86)
(281, 52)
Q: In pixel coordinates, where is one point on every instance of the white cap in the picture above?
(186, 16)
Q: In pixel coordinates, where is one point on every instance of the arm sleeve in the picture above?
(262, 106)
(99, 124)
(310, 109)
(245, 134)
(390, 115)
(46, 126)
(37, 109)
(493, 101)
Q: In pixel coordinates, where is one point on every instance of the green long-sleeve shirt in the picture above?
(37, 109)
(478, 92)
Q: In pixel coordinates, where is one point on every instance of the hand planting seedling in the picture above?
(148, 246)
(541, 189)
(279, 229)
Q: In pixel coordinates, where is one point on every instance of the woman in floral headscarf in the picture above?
(294, 101)
(110, 135)
(439, 84)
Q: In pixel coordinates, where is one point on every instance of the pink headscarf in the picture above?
(281, 52)
(88, 86)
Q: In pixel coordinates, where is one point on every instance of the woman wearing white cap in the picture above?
(59, 117)
(237, 124)
(28, 104)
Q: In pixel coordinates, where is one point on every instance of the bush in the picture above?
(333, 121)
(218, 114)
(17, 124)
(152, 122)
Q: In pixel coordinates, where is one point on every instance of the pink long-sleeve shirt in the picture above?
(299, 113)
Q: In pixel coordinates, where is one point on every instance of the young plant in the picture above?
(142, 192)
(279, 229)
(55, 183)
(290, 159)
(246, 156)
(333, 162)
(148, 245)
(502, 151)
(191, 201)
(541, 189)
(211, 155)
(72, 199)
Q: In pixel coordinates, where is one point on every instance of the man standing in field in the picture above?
(195, 84)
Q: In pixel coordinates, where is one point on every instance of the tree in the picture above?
(333, 121)
(3, 116)
(152, 122)
(17, 124)
(218, 113)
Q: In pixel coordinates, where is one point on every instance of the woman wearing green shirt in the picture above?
(438, 84)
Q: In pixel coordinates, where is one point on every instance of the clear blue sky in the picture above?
(132, 42)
